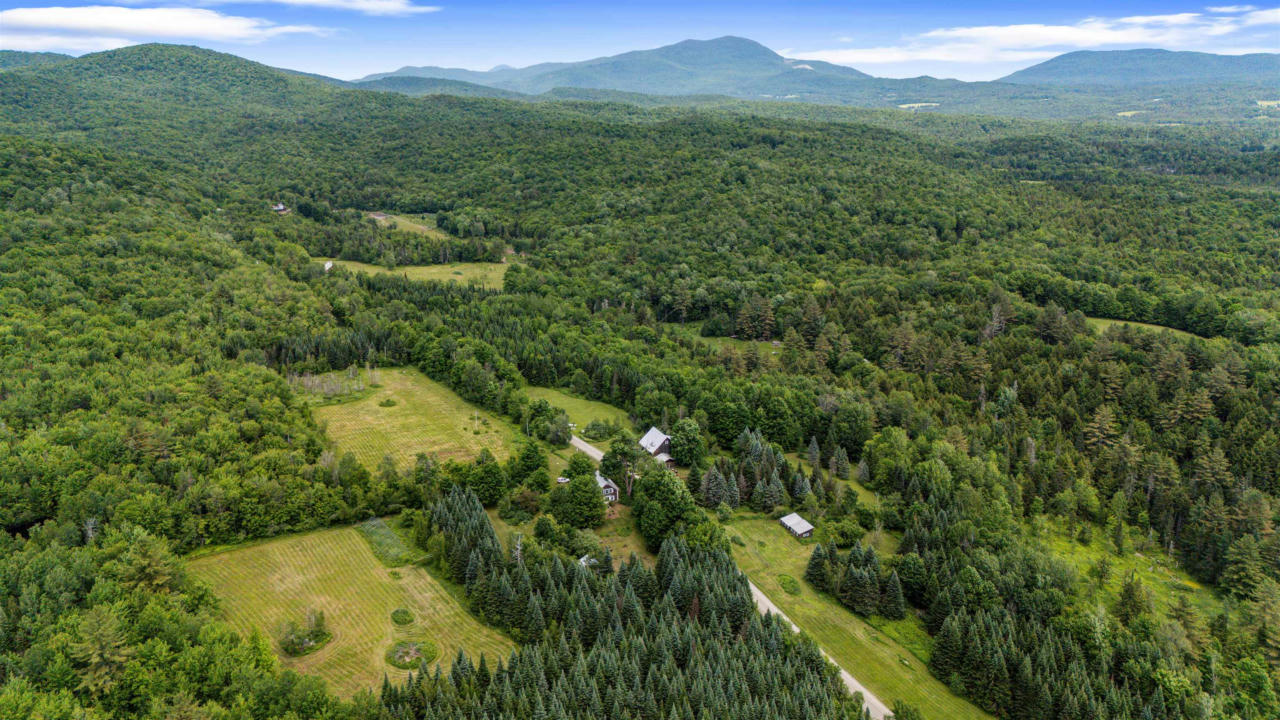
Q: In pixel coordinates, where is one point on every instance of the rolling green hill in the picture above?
(416, 86)
(16, 58)
(906, 298)
(1151, 67)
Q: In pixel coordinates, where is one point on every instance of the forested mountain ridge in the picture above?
(1151, 67)
(928, 296)
(17, 58)
(1145, 85)
(727, 65)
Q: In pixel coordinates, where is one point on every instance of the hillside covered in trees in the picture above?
(934, 289)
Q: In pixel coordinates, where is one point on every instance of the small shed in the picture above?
(797, 525)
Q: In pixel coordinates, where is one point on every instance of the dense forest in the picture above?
(932, 292)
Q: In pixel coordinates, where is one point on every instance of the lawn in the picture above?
(580, 411)
(888, 657)
(426, 417)
(487, 275)
(264, 585)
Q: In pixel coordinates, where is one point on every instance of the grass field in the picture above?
(1101, 324)
(487, 275)
(888, 657)
(580, 411)
(421, 224)
(267, 584)
(1157, 571)
(427, 417)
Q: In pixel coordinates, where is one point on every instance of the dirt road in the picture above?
(879, 711)
(587, 448)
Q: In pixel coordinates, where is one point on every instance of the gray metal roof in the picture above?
(653, 440)
(796, 524)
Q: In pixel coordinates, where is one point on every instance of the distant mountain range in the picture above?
(1125, 85)
(1136, 84)
(724, 66)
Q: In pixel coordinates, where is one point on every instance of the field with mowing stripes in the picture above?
(889, 660)
(267, 584)
(488, 275)
(426, 417)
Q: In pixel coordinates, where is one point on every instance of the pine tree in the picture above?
(815, 453)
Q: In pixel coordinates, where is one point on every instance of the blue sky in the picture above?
(351, 38)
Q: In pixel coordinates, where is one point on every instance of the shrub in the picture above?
(410, 654)
(387, 402)
(789, 584)
(297, 640)
(401, 616)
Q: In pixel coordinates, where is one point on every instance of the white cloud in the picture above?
(367, 7)
(1022, 44)
(1229, 9)
(69, 43)
(107, 23)
(1263, 17)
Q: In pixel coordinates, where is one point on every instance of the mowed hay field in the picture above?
(427, 417)
(874, 657)
(488, 275)
(265, 585)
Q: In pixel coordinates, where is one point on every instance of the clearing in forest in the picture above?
(889, 657)
(401, 412)
(581, 412)
(265, 585)
(421, 224)
(1102, 571)
(487, 275)
(1101, 325)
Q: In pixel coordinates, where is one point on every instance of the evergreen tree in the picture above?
(892, 604)
(816, 571)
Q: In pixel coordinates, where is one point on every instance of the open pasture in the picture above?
(265, 585)
(426, 417)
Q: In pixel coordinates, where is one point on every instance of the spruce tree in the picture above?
(816, 571)
(892, 604)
